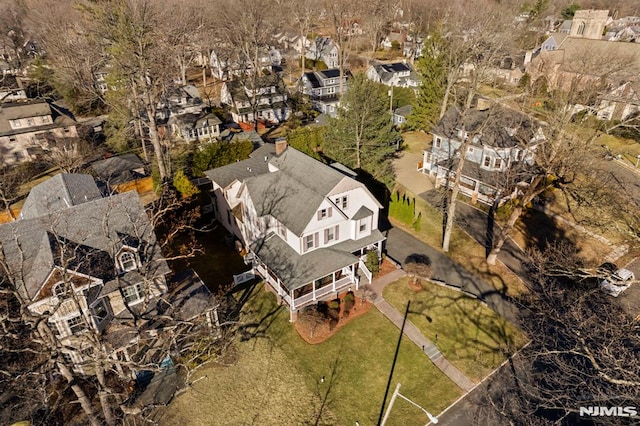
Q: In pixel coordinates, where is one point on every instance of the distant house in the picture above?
(11, 88)
(396, 37)
(91, 264)
(226, 63)
(323, 49)
(554, 41)
(306, 226)
(401, 114)
(26, 128)
(500, 153)
(268, 99)
(398, 74)
(119, 170)
(179, 101)
(324, 89)
(196, 127)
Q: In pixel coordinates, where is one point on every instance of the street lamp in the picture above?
(433, 419)
(637, 161)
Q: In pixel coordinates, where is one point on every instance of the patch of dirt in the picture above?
(386, 267)
(415, 285)
(322, 332)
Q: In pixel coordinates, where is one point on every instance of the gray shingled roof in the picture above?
(362, 213)
(119, 169)
(59, 192)
(253, 166)
(98, 226)
(296, 270)
(497, 126)
(404, 111)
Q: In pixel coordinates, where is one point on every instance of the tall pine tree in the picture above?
(432, 68)
(362, 135)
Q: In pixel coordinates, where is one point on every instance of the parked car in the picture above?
(618, 282)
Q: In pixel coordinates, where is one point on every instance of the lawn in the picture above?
(463, 249)
(416, 141)
(469, 334)
(278, 372)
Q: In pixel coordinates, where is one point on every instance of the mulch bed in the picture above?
(385, 267)
(322, 331)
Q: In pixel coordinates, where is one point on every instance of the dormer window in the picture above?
(487, 162)
(59, 290)
(127, 261)
(324, 213)
(498, 163)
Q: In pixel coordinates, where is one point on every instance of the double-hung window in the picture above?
(134, 293)
(76, 324)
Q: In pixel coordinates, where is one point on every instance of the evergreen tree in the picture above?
(433, 73)
(362, 135)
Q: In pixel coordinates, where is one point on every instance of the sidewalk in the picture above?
(414, 334)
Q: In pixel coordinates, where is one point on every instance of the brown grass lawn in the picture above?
(415, 142)
(469, 334)
(277, 377)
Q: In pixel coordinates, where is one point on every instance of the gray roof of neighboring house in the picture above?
(253, 166)
(566, 25)
(119, 169)
(32, 108)
(91, 230)
(58, 193)
(498, 127)
(296, 270)
(237, 88)
(404, 111)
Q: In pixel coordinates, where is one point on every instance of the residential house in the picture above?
(118, 171)
(394, 37)
(620, 103)
(553, 42)
(178, 101)
(26, 128)
(100, 80)
(325, 88)
(11, 88)
(92, 266)
(226, 63)
(264, 101)
(500, 152)
(195, 127)
(565, 27)
(398, 74)
(400, 115)
(305, 226)
(324, 49)
(413, 47)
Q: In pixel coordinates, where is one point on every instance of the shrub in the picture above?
(183, 185)
(349, 302)
(334, 309)
(372, 262)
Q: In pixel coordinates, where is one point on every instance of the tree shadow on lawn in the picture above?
(263, 312)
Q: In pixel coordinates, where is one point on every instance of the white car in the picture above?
(619, 282)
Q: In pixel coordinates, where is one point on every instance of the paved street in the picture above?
(401, 244)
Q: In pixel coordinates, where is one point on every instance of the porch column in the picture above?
(291, 307)
(313, 290)
(380, 250)
(333, 283)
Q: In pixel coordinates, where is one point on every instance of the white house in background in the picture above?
(27, 127)
(11, 88)
(398, 74)
(401, 114)
(498, 158)
(306, 226)
(324, 89)
(195, 127)
(323, 49)
(268, 99)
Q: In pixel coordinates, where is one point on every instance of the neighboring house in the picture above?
(553, 42)
(179, 101)
(92, 266)
(116, 171)
(397, 37)
(306, 226)
(268, 100)
(400, 115)
(11, 88)
(325, 89)
(510, 68)
(398, 74)
(323, 49)
(412, 49)
(565, 27)
(100, 80)
(26, 128)
(501, 151)
(227, 63)
(621, 103)
(196, 127)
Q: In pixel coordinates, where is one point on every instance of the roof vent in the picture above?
(249, 169)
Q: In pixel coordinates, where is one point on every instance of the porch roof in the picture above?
(295, 270)
(352, 245)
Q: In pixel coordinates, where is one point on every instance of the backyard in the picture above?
(277, 378)
(469, 334)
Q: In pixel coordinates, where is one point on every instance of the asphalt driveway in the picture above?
(400, 245)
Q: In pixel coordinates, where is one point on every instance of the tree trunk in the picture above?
(451, 208)
(504, 234)
(83, 399)
(103, 393)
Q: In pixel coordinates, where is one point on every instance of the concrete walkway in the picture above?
(414, 334)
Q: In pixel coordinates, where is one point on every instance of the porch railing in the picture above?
(321, 293)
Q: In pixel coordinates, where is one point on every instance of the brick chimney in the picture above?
(281, 145)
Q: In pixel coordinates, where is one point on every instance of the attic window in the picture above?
(59, 290)
(128, 261)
